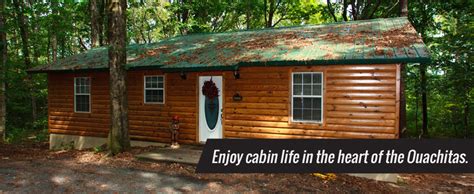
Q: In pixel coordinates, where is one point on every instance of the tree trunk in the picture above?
(344, 10)
(3, 61)
(248, 14)
(466, 119)
(331, 11)
(271, 12)
(54, 47)
(185, 15)
(54, 38)
(118, 136)
(94, 11)
(26, 54)
(102, 11)
(403, 109)
(424, 103)
(404, 8)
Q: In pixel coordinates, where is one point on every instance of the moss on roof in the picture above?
(388, 40)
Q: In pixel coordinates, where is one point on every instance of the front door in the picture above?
(210, 107)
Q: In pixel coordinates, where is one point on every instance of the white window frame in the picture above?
(88, 94)
(308, 96)
(145, 89)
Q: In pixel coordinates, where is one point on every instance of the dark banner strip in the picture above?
(339, 156)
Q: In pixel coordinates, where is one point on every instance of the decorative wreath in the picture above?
(210, 90)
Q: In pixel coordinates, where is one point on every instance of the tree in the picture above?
(54, 36)
(3, 63)
(119, 139)
(22, 23)
(403, 108)
(363, 10)
(274, 7)
(95, 24)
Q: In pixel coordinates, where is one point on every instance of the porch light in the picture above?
(182, 75)
(236, 74)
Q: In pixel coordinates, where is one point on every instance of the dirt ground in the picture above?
(31, 167)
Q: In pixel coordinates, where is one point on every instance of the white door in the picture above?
(210, 107)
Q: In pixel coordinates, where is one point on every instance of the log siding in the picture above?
(359, 101)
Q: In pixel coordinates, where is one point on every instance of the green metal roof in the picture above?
(388, 40)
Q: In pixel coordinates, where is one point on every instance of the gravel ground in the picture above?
(32, 168)
(60, 176)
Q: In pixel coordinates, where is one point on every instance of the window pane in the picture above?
(298, 103)
(317, 90)
(307, 103)
(316, 103)
(154, 96)
(297, 78)
(82, 85)
(151, 96)
(317, 78)
(307, 114)
(307, 78)
(316, 115)
(154, 82)
(86, 89)
(82, 103)
(306, 89)
(297, 114)
(86, 81)
(297, 90)
(160, 95)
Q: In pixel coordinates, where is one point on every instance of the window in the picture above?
(307, 97)
(154, 89)
(82, 94)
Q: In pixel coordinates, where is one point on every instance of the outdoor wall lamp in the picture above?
(236, 74)
(182, 75)
(237, 97)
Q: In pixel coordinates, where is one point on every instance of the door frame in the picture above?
(198, 93)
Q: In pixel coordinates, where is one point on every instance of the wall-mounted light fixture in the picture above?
(237, 74)
(182, 75)
(237, 97)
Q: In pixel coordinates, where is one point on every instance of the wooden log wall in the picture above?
(360, 101)
(147, 122)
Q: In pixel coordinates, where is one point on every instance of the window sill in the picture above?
(296, 123)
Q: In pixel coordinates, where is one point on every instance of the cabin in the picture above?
(340, 80)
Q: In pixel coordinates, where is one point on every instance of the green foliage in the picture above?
(446, 27)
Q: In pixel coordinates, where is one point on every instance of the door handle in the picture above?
(222, 115)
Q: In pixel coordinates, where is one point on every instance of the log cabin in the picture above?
(341, 80)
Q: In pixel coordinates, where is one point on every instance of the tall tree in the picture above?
(423, 24)
(363, 10)
(54, 30)
(119, 139)
(95, 24)
(3, 63)
(403, 104)
(272, 8)
(23, 25)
